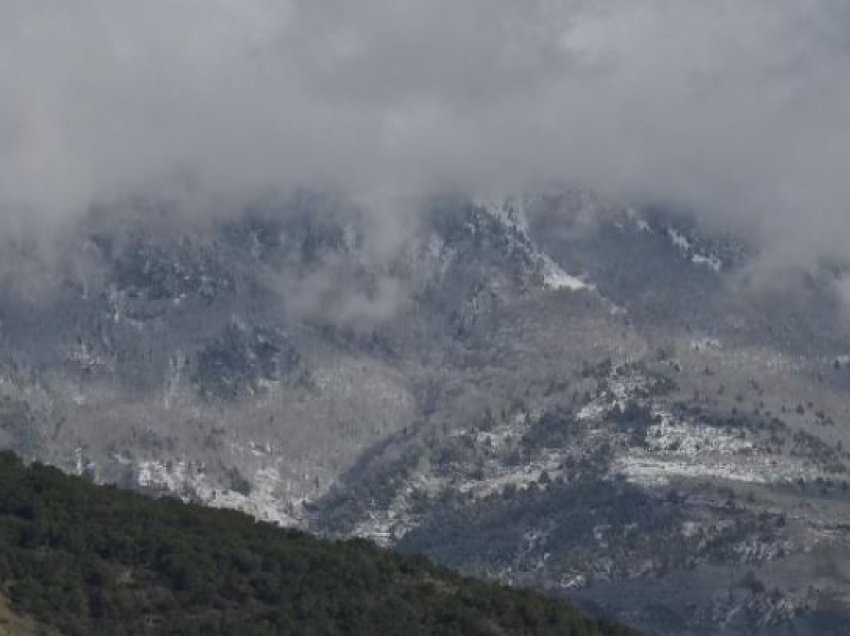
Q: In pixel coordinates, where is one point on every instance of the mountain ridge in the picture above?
(546, 361)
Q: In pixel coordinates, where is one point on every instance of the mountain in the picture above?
(614, 404)
(84, 559)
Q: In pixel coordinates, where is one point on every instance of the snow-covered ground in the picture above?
(554, 277)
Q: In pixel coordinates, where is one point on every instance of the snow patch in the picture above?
(689, 250)
(677, 448)
(510, 212)
(188, 481)
(556, 278)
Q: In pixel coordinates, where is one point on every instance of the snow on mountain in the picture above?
(510, 211)
(470, 394)
(690, 251)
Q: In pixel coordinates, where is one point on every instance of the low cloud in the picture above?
(735, 110)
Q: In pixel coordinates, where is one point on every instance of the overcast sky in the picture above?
(738, 109)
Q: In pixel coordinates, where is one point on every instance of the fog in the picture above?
(736, 110)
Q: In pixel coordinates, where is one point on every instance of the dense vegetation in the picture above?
(94, 560)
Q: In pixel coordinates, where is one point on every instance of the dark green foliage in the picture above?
(96, 560)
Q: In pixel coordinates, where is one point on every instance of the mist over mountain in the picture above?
(735, 111)
(554, 292)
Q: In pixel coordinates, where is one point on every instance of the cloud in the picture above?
(736, 110)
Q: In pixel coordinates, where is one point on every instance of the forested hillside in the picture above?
(85, 559)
